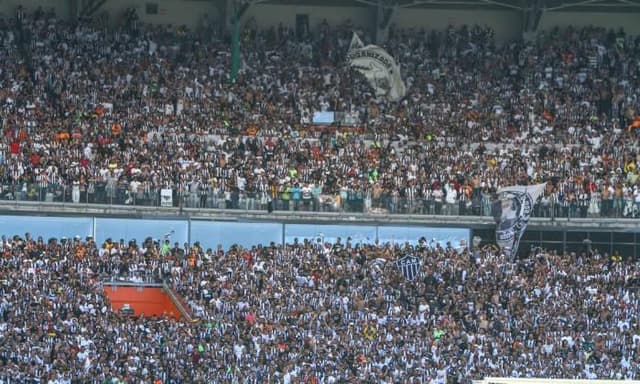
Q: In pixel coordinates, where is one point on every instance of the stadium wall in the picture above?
(628, 21)
(183, 12)
(62, 8)
(507, 24)
(266, 15)
(226, 227)
(225, 233)
(177, 12)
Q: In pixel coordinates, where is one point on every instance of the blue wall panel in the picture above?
(46, 226)
(358, 233)
(212, 233)
(140, 229)
(413, 234)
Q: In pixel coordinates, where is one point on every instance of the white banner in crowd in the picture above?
(330, 117)
(380, 69)
(517, 204)
(166, 197)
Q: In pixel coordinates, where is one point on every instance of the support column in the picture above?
(229, 9)
(74, 9)
(531, 19)
(238, 11)
(88, 8)
(226, 14)
(383, 17)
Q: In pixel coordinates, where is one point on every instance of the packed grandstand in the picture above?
(94, 116)
(312, 312)
(91, 115)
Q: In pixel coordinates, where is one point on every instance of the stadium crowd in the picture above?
(313, 312)
(95, 114)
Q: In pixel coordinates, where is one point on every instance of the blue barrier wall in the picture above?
(357, 233)
(442, 236)
(210, 234)
(46, 226)
(128, 229)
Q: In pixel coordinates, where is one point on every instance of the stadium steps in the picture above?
(179, 302)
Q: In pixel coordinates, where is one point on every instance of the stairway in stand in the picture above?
(179, 302)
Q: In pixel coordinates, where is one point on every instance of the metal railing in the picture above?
(349, 201)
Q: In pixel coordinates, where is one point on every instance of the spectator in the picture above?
(320, 311)
(146, 107)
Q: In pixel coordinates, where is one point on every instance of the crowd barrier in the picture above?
(212, 234)
(347, 202)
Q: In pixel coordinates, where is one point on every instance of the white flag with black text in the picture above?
(379, 67)
(517, 204)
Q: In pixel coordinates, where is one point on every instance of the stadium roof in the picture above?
(516, 5)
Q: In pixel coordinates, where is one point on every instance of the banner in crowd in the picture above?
(348, 118)
(330, 117)
(329, 201)
(323, 118)
(166, 197)
(409, 266)
(376, 267)
(517, 204)
(380, 68)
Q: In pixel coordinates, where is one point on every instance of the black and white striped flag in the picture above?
(409, 266)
